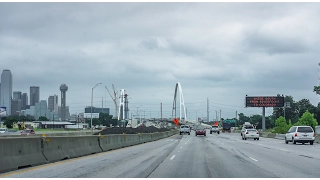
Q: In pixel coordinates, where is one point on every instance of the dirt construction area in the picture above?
(129, 130)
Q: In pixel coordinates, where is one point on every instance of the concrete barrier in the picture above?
(317, 139)
(111, 142)
(20, 152)
(317, 130)
(57, 148)
(84, 145)
(271, 135)
(146, 137)
(280, 136)
(131, 139)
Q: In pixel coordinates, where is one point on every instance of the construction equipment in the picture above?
(114, 98)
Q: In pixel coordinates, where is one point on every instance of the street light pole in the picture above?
(144, 112)
(92, 102)
(137, 109)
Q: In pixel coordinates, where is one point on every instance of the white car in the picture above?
(301, 134)
(243, 130)
(250, 134)
(185, 129)
(3, 130)
(215, 129)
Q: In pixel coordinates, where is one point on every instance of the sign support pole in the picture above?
(263, 118)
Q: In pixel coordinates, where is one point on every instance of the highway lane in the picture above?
(180, 156)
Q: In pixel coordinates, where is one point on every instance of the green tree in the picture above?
(43, 118)
(316, 89)
(95, 121)
(105, 119)
(243, 118)
(272, 122)
(281, 125)
(307, 119)
(8, 121)
(292, 112)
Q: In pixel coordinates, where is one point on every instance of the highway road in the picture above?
(188, 156)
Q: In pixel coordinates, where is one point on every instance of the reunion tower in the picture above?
(63, 89)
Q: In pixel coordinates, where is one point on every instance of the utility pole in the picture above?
(236, 119)
(220, 115)
(187, 113)
(53, 122)
(137, 111)
(208, 109)
(216, 115)
(78, 121)
(161, 111)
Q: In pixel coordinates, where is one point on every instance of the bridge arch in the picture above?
(178, 91)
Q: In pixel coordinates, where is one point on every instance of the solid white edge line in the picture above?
(172, 157)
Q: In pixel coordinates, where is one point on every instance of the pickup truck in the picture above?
(185, 129)
(215, 129)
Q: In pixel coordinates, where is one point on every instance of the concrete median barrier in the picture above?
(16, 152)
(57, 148)
(111, 142)
(317, 139)
(280, 136)
(20, 152)
(146, 137)
(84, 145)
(131, 139)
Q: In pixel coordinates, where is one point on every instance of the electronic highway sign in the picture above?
(264, 101)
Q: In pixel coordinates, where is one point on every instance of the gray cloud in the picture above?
(219, 51)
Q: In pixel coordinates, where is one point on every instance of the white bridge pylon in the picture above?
(174, 110)
(121, 106)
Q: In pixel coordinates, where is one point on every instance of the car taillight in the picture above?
(296, 134)
(314, 135)
(247, 132)
(257, 132)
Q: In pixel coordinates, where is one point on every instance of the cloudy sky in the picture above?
(219, 51)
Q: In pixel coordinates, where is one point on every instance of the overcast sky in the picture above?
(219, 51)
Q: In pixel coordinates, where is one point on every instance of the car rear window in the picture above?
(305, 129)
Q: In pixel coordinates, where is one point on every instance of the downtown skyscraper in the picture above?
(6, 90)
(34, 95)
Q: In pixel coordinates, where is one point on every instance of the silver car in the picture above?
(250, 134)
(301, 134)
(3, 130)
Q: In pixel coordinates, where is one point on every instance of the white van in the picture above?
(301, 134)
(3, 130)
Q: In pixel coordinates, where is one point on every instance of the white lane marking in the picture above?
(283, 150)
(181, 147)
(253, 159)
(185, 143)
(172, 157)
